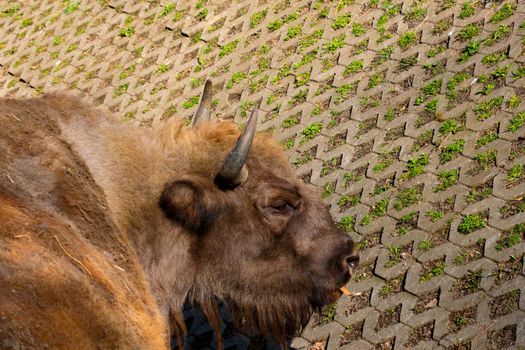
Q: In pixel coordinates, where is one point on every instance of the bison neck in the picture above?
(131, 169)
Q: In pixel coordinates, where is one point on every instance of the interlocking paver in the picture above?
(407, 115)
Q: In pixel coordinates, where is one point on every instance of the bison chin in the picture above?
(274, 316)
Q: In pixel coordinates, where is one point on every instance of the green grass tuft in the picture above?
(342, 21)
(471, 223)
(257, 18)
(311, 131)
(504, 12)
(407, 197)
(447, 178)
(228, 48)
(406, 40)
(516, 122)
(451, 151)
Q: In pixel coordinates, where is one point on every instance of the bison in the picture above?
(106, 229)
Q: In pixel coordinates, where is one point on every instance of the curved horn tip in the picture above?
(203, 113)
(253, 116)
(234, 171)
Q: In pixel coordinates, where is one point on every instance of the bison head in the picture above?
(260, 239)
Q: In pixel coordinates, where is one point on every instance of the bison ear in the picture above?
(190, 203)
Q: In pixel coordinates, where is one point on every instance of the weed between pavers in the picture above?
(487, 138)
(502, 32)
(442, 26)
(434, 68)
(459, 319)
(516, 122)
(392, 286)
(432, 269)
(360, 47)
(415, 166)
(450, 126)
(311, 131)
(121, 89)
(504, 12)
(471, 223)
(519, 73)
(383, 55)
(290, 121)
(435, 215)
(370, 240)
(508, 270)
(344, 91)
(407, 221)
(451, 90)
(397, 253)
(351, 333)
(513, 102)
(328, 189)
(257, 18)
(471, 253)
(429, 90)
(406, 40)
(381, 188)
(358, 29)
(406, 63)
(353, 67)
(468, 284)
(347, 201)
(228, 48)
(516, 173)
(305, 157)
(408, 197)
(328, 314)
(479, 193)
(354, 176)
(505, 304)
(426, 301)
(375, 79)
(342, 21)
(470, 50)
(293, 32)
(511, 238)
(425, 245)
(451, 151)
(388, 317)
(469, 31)
(347, 223)
(494, 58)
(236, 78)
(486, 159)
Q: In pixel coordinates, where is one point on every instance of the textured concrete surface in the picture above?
(407, 115)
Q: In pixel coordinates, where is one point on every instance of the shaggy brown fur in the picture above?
(106, 229)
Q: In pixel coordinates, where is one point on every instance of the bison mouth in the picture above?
(329, 292)
(326, 297)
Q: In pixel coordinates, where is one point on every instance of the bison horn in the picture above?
(233, 171)
(204, 111)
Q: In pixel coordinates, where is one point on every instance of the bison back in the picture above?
(68, 278)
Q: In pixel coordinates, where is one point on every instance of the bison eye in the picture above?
(281, 207)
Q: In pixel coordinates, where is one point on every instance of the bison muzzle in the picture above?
(106, 229)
